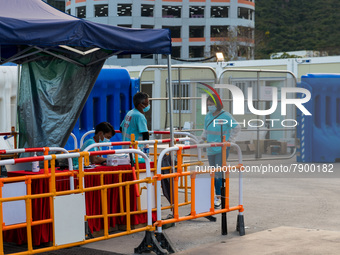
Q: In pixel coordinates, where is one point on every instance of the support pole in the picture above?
(171, 121)
(170, 103)
(159, 242)
(224, 228)
(240, 218)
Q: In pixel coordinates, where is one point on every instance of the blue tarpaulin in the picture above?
(61, 57)
(35, 23)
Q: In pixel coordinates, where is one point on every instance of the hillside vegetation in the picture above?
(290, 25)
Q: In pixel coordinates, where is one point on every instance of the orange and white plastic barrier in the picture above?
(74, 198)
(149, 181)
(45, 150)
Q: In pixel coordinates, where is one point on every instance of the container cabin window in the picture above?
(244, 85)
(184, 105)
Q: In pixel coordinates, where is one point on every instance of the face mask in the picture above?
(146, 108)
(212, 108)
(105, 140)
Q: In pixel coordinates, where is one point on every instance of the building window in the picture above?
(125, 25)
(147, 10)
(184, 105)
(219, 31)
(196, 11)
(146, 56)
(124, 56)
(81, 12)
(175, 31)
(124, 9)
(245, 32)
(59, 4)
(171, 11)
(245, 13)
(176, 51)
(196, 31)
(68, 11)
(146, 26)
(219, 11)
(196, 51)
(243, 52)
(101, 10)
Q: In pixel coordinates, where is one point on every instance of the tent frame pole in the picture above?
(159, 241)
(170, 102)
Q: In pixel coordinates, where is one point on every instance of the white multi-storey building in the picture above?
(199, 28)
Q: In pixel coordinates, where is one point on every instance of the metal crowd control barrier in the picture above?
(68, 200)
(76, 198)
(175, 133)
(159, 242)
(189, 135)
(155, 155)
(258, 154)
(15, 134)
(150, 132)
(45, 150)
(88, 133)
(8, 135)
(75, 141)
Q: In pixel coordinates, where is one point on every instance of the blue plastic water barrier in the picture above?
(319, 133)
(135, 83)
(110, 100)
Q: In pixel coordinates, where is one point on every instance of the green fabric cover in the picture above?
(51, 94)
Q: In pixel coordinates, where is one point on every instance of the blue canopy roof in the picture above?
(61, 57)
(43, 28)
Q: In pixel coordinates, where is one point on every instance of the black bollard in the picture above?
(223, 215)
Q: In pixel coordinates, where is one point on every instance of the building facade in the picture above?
(59, 4)
(199, 28)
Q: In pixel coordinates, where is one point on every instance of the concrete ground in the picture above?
(294, 212)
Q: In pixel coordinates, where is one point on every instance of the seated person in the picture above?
(103, 133)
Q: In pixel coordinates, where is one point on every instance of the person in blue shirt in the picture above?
(103, 133)
(213, 131)
(135, 121)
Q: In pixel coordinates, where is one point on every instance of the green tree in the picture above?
(291, 25)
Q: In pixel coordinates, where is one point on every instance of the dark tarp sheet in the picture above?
(51, 95)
